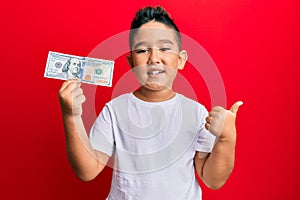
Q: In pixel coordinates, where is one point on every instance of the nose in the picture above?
(154, 56)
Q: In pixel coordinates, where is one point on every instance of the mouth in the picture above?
(155, 72)
(75, 71)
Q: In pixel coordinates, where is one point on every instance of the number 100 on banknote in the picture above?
(89, 70)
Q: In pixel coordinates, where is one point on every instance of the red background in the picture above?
(254, 44)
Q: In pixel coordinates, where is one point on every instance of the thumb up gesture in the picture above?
(221, 122)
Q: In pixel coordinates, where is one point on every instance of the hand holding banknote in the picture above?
(71, 97)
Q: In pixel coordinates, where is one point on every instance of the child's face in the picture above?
(155, 56)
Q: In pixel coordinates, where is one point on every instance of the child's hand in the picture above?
(221, 122)
(71, 97)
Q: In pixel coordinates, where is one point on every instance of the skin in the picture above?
(86, 162)
(155, 48)
(155, 59)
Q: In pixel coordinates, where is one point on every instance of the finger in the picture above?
(217, 108)
(214, 113)
(215, 121)
(207, 126)
(208, 119)
(218, 113)
(72, 86)
(79, 100)
(77, 92)
(235, 107)
(69, 82)
(64, 85)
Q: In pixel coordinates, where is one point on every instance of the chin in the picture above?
(155, 86)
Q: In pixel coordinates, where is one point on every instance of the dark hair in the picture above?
(148, 14)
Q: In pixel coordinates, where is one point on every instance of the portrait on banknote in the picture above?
(72, 68)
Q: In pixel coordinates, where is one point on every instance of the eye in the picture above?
(141, 50)
(165, 49)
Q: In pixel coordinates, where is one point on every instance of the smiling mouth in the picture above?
(155, 72)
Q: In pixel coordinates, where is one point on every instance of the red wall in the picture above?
(253, 43)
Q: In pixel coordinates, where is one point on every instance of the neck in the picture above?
(146, 94)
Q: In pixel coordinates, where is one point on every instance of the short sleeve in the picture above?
(205, 140)
(101, 134)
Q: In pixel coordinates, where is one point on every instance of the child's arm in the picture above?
(86, 162)
(215, 168)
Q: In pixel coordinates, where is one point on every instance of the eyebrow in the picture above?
(145, 43)
(166, 41)
(139, 44)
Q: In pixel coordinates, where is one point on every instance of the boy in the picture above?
(156, 136)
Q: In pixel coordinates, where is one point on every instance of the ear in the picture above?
(129, 60)
(183, 56)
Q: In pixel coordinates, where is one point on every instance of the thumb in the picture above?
(235, 107)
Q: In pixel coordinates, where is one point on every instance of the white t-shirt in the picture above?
(153, 144)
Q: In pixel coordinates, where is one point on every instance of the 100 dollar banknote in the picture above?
(89, 70)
